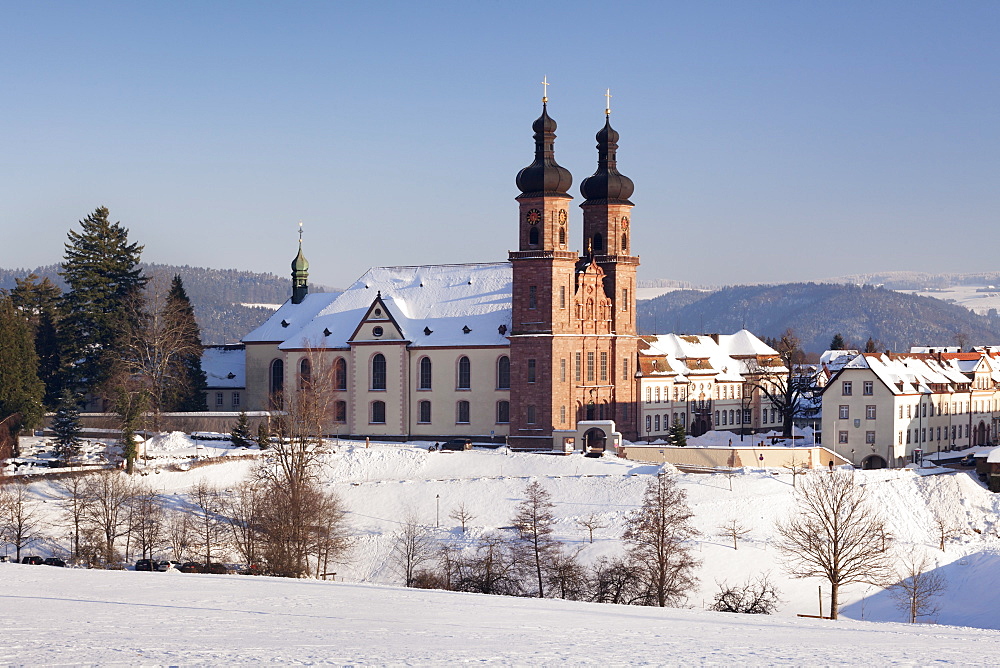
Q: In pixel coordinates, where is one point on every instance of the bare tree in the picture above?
(756, 596)
(73, 506)
(835, 533)
(796, 468)
(734, 530)
(566, 576)
(534, 521)
(781, 380)
(20, 523)
(146, 525)
(207, 518)
(108, 494)
(462, 515)
(412, 546)
(657, 534)
(330, 535)
(919, 587)
(591, 523)
(618, 581)
(493, 568)
(945, 530)
(180, 533)
(243, 510)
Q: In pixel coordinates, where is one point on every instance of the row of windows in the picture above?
(722, 418)
(220, 399)
(847, 388)
(870, 412)
(463, 412)
(911, 435)
(944, 407)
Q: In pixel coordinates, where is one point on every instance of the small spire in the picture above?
(300, 234)
(545, 89)
(607, 102)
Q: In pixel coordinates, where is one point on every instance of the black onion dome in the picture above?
(544, 176)
(607, 185)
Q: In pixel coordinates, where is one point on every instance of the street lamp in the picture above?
(437, 498)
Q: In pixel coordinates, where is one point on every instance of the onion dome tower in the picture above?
(300, 274)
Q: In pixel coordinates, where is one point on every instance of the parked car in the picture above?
(163, 566)
(457, 444)
(968, 460)
(34, 560)
(190, 567)
(144, 565)
(216, 569)
(54, 561)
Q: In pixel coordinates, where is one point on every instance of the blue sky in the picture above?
(768, 141)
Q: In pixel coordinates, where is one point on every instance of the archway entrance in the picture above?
(981, 434)
(699, 426)
(594, 439)
(873, 462)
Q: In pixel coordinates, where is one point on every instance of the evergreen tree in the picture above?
(66, 427)
(20, 390)
(240, 435)
(41, 303)
(188, 393)
(677, 434)
(263, 438)
(105, 281)
(838, 342)
(871, 346)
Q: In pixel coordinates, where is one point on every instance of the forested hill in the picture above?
(818, 311)
(218, 295)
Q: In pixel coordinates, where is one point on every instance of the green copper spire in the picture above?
(300, 274)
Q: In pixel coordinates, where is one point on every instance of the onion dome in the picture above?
(607, 185)
(300, 265)
(300, 275)
(544, 176)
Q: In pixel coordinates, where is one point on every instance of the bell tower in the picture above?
(300, 274)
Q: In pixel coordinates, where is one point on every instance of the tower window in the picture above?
(503, 373)
(598, 242)
(624, 299)
(532, 296)
(624, 242)
(277, 382)
(590, 367)
(604, 366)
(562, 370)
(562, 236)
(562, 296)
(577, 371)
(531, 371)
(533, 236)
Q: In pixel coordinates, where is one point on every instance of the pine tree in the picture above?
(66, 427)
(838, 342)
(871, 346)
(41, 303)
(188, 393)
(20, 390)
(263, 438)
(105, 281)
(240, 435)
(677, 435)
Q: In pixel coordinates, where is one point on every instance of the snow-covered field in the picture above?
(181, 618)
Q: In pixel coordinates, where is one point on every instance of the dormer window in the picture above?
(285, 323)
(326, 331)
(428, 331)
(466, 330)
(502, 329)
(378, 312)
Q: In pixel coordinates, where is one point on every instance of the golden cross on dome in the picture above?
(545, 89)
(607, 102)
(300, 232)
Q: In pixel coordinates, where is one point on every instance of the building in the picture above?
(887, 409)
(225, 373)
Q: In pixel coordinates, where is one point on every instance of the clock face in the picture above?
(534, 217)
(562, 217)
(625, 224)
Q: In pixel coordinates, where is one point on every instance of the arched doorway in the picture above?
(699, 427)
(594, 439)
(981, 433)
(873, 462)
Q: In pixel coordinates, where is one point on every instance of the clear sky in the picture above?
(768, 141)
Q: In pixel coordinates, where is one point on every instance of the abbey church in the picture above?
(524, 350)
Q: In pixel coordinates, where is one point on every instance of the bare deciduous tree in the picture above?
(592, 522)
(243, 510)
(756, 596)
(492, 569)
(73, 506)
(180, 533)
(781, 381)
(919, 587)
(566, 576)
(835, 533)
(20, 523)
(462, 515)
(208, 523)
(657, 534)
(945, 529)
(733, 529)
(412, 546)
(616, 581)
(108, 494)
(146, 525)
(796, 468)
(534, 521)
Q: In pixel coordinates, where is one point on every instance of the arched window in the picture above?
(340, 374)
(533, 236)
(378, 412)
(424, 412)
(425, 373)
(378, 373)
(503, 412)
(277, 384)
(463, 412)
(340, 411)
(656, 423)
(624, 242)
(305, 373)
(503, 373)
(530, 414)
(464, 373)
(562, 236)
(598, 242)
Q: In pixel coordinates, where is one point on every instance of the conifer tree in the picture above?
(677, 435)
(41, 304)
(66, 427)
(838, 342)
(240, 435)
(263, 438)
(188, 391)
(20, 390)
(105, 281)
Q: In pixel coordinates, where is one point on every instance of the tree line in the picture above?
(111, 338)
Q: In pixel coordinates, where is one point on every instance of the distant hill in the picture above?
(218, 295)
(818, 311)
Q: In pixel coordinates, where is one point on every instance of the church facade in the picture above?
(524, 350)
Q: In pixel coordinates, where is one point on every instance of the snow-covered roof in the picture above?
(910, 374)
(459, 304)
(994, 456)
(721, 356)
(224, 366)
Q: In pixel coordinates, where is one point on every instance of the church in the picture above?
(540, 351)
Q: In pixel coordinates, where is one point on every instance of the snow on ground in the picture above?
(383, 484)
(977, 298)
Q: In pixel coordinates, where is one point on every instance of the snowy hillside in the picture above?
(382, 484)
